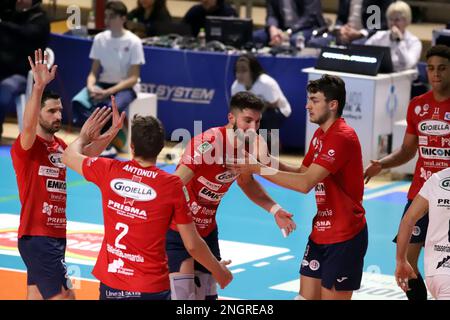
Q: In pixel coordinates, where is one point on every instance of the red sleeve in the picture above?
(95, 169)
(182, 214)
(18, 150)
(411, 126)
(335, 152)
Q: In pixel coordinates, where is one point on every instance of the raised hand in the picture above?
(118, 119)
(42, 76)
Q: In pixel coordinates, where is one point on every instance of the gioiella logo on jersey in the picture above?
(81, 245)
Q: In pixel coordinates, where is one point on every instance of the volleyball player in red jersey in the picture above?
(428, 130)
(41, 179)
(203, 171)
(333, 262)
(139, 203)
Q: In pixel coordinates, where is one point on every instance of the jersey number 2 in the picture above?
(125, 228)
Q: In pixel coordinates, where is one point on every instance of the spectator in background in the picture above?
(149, 13)
(196, 15)
(250, 76)
(24, 26)
(405, 47)
(298, 15)
(354, 23)
(117, 55)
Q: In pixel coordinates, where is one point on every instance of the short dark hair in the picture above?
(332, 87)
(147, 136)
(255, 67)
(118, 7)
(246, 100)
(439, 50)
(47, 95)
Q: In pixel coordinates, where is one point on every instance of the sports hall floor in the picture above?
(265, 265)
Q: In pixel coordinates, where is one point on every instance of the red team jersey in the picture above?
(340, 214)
(138, 205)
(205, 156)
(41, 179)
(429, 120)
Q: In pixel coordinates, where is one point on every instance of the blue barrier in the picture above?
(190, 85)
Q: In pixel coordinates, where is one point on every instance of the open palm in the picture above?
(42, 76)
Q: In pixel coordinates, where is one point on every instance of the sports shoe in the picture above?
(109, 152)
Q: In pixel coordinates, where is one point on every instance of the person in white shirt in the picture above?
(434, 197)
(405, 47)
(117, 55)
(250, 76)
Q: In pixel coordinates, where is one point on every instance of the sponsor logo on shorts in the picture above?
(48, 172)
(341, 279)
(58, 186)
(55, 159)
(423, 140)
(435, 153)
(305, 263)
(209, 184)
(434, 128)
(226, 177)
(131, 189)
(445, 184)
(210, 195)
(445, 263)
(314, 265)
(416, 231)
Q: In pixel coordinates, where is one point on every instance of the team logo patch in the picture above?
(48, 172)
(56, 160)
(314, 265)
(416, 231)
(132, 189)
(434, 128)
(447, 116)
(445, 184)
(58, 186)
(331, 153)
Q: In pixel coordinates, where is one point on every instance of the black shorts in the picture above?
(177, 253)
(420, 229)
(339, 265)
(108, 293)
(46, 266)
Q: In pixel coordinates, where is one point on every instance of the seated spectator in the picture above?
(354, 23)
(143, 20)
(24, 26)
(250, 76)
(117, 55)
(196, 15)
(405, 47)
(297, 15)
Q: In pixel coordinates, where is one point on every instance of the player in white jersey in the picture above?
(434, 197)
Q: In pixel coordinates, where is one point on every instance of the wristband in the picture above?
(275, 209)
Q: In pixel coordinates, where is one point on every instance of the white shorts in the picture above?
(439, 286)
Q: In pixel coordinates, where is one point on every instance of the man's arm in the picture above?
(256, 193)
(404, 271)
(401, 156)
(200, 251)
(42, 76)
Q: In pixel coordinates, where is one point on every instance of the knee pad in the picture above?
(182, 286)
(299, 297)
(206, 287)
